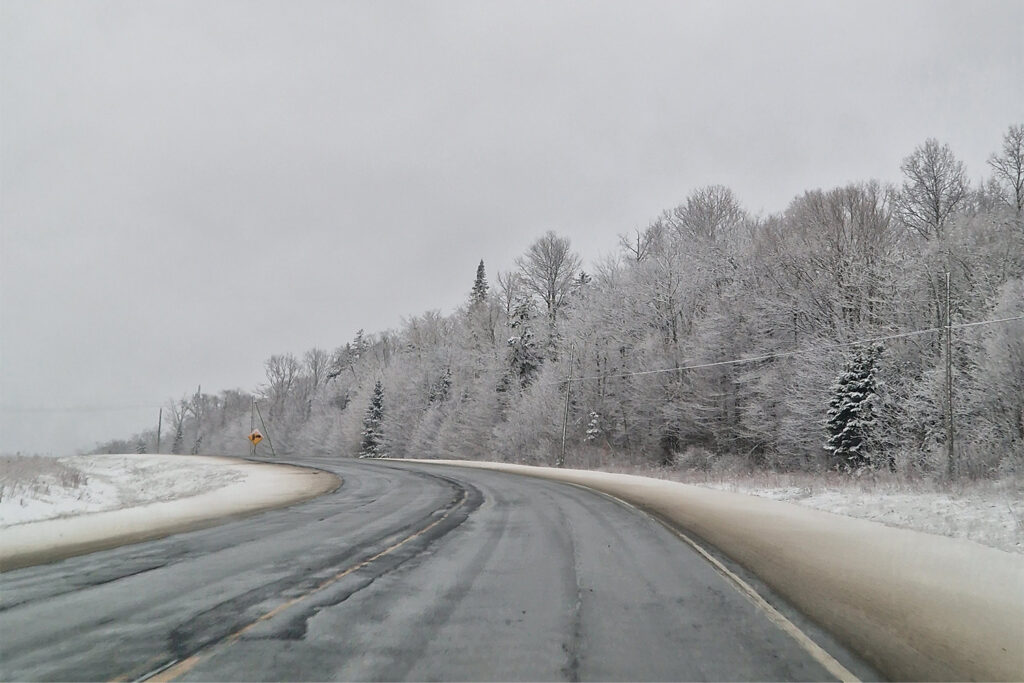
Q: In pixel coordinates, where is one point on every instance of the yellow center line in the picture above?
(141, 669)
(186, 665)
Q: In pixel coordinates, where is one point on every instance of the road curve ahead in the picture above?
(407, 572)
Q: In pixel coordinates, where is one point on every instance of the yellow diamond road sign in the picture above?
(255, 437)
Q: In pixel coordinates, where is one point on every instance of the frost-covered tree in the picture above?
(851, 413)
(1008, 170)
(482, 315)
(282, 377)
(372, 445)
(548, 270)
(359, 345)
(510, 289)
(935, 186)
(754, 308)
(524, 357)
(179, 439)
(178, 412)
(478, 295)
(593, 427)
(440, 390)
(710, 213)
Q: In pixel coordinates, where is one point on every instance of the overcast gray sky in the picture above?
(190, 187)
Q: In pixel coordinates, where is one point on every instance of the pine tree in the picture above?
(851, 413)
(373, 433)
(359, 345)
(524, 357)
(441, 389)
(478, 295)
(593, 427)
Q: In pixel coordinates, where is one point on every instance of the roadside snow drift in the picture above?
(133, 498)
(917, 606)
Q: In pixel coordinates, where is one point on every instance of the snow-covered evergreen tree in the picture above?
(478, 295)
(359, 345)
(524, 356)
(373, 434)
(441, 389)
(593, 427)
(851, 413)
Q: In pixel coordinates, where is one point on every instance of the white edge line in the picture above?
(792, 630)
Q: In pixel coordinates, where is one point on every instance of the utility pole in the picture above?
(199, 420)
(252, 426)
(265, 430)
(950, 457)
(565, 416)
(159, 428)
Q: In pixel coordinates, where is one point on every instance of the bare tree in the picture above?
(709, 213)
(935, 186)
(317, 362)
(282, 374)
(510, 285)
(844, 244)
(640, 243)
(548, 269)
(1009, 169)
(179, 411)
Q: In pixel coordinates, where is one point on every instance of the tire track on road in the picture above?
(443, 520)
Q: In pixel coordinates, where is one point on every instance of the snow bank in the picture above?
(133, 498)
(917, 606)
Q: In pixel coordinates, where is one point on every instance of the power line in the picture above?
(699, 366)
(988, 322)
(77, 409)
(785, 354)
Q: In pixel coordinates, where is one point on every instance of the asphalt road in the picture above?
(407, 572)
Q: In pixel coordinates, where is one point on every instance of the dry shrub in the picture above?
(22, 475)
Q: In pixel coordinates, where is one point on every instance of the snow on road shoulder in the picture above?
(987, 512)
(918, 606)
(36, 489)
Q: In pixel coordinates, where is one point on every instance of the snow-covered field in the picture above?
(34, 488)
(52, 509)
(988, 512)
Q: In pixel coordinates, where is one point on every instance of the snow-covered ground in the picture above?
(990, 512)
(56, 508)
(983, 516)
(36, 488)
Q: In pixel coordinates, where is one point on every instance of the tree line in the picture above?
(808, 339)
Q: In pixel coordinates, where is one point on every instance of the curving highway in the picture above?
(407, 572)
